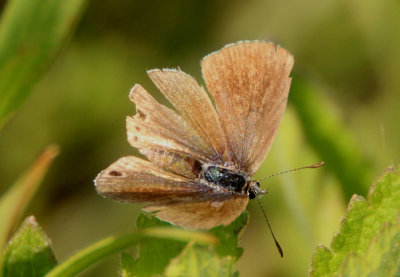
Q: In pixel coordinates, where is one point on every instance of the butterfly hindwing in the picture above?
(201, 215)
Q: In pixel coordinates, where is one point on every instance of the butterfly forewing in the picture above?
(249, 82)
(193, 103)
(157, 127)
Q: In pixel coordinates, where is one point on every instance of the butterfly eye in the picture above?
(252, 193)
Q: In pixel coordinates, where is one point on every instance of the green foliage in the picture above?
(29, 253)
(31, 34)
(228, 237)
(198, 260)
(185, 259)
(114, 244)
(368, 232)
(155, 254)
(382, 257)
(128, 265)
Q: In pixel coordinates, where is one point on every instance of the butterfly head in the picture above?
(254, 189)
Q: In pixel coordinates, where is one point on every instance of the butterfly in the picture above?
(200, 158)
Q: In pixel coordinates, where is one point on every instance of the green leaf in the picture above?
(31, 34)
(128, 264)
(155, 255)
(29, 253)
(16, 199)
(228, 237)
(382, 257)
(326, 133)
(198, 260)
(365, 219)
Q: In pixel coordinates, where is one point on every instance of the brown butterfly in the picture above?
(201, 158)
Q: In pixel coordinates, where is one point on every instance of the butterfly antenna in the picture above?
(270, 229)
(294, 169)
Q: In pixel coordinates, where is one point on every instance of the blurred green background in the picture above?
(343, 109)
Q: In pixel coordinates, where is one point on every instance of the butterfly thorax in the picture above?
(228, 180)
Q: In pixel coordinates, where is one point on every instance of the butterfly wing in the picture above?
(202, 214)
(154, 126)
(195, 106)
(249, 82)
(182, 165)
(133, 179)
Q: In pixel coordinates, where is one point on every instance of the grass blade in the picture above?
(31, 34)
(15, 200)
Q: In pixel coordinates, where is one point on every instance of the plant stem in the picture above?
(105, 247)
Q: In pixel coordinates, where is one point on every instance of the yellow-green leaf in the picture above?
(382, 257)
(198, 260)
(29, 252)
(363, 223)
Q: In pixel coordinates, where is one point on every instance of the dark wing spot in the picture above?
(140, 114)
(137, 128)
(135, 138)
(114, 173)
